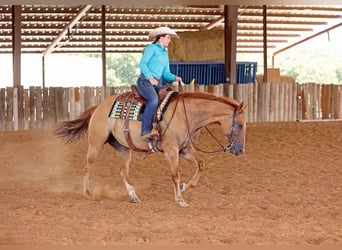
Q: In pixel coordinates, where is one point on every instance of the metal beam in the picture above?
(16, 44)
(306, 39)
(73, 22)
(230, 34)
(264, 15)
(104, 61)
(215, 23)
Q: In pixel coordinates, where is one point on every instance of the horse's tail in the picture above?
(74, 130)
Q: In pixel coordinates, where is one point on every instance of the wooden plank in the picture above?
(87, 98)
(9, 101)
(273, 101)
(47, 117)
(276, 104)
(71, 108)
(286, 103)
(52, 104)
(26, 109)
(82, 99)
(39, 108)
(250, 103)
(331, 100)
(20, 108)
(98, 95)
(260, 102)
(61, 104)
(15, 109)
(199, 88)
(311, 102)
(340, 101)
(31, 107)
(336, 100)
(77, 102)
(289, 103)
(325, 101)
(255, 101)
(238, 92)
(315, 107)
(230, 88)
(294, 102)
(2, 109)
(267, 102)
(319, 100)
(281, 101)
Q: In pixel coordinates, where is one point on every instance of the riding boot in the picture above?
(155, 130)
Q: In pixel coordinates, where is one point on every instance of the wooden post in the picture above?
(230, 34)
(2, 109)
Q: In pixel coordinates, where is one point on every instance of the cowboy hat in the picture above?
(162, 31)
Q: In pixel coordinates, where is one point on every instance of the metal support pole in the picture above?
(230, 34)
(104, 61)
(264, 13)
(16, 44)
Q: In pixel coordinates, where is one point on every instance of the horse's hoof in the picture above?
(135, 200)
(182, 187)
(182, 204)
(87, 193)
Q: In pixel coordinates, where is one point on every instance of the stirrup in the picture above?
(152, 146)
(155, 130)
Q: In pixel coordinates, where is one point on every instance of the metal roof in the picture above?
(126, 28)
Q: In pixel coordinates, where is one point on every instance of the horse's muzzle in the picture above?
(236, 149)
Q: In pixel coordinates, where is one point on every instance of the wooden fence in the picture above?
(43, 108)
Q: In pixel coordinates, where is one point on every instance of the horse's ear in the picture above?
(241, 107)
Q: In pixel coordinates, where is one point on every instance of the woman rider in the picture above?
(154, 65)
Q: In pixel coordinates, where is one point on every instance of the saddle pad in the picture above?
(132, 111)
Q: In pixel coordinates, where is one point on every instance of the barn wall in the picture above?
(207, 45)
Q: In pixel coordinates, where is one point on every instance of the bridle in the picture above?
(233, 134)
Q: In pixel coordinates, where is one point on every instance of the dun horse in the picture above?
(185, 115)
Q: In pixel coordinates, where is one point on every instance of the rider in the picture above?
(153, 65)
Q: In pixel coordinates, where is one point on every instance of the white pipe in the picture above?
(73, 22)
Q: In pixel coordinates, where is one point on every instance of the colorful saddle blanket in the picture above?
(135, 110)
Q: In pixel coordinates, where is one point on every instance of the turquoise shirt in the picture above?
(155, 62)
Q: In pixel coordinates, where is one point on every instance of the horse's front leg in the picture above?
(191, 154)
(125, 155)
(172, 157)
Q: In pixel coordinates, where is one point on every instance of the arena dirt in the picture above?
(285, 190)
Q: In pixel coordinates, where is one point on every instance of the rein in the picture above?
(223, 147)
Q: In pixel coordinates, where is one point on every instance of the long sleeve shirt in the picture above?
(155, 62)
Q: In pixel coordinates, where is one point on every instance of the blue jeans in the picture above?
(149, 92)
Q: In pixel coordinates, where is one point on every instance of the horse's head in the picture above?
(236, 131)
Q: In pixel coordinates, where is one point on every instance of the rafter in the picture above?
(73, 22)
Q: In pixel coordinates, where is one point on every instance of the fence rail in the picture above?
(43, 108)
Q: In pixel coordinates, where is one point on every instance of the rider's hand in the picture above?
(153, 81)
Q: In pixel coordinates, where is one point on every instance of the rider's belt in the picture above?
(142, 75)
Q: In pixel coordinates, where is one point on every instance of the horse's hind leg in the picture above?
(191, 154)
(93, 152)
(125, 155)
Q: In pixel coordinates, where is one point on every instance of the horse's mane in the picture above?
(208, 96)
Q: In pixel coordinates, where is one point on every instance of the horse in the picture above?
(186, 114)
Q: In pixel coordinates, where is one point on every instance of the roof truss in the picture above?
(69, 29)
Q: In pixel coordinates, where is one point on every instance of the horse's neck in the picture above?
(201, 112)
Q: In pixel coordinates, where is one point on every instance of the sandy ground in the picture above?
(285, 190)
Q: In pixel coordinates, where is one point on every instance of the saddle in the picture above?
(132, 97)
(135, 96)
